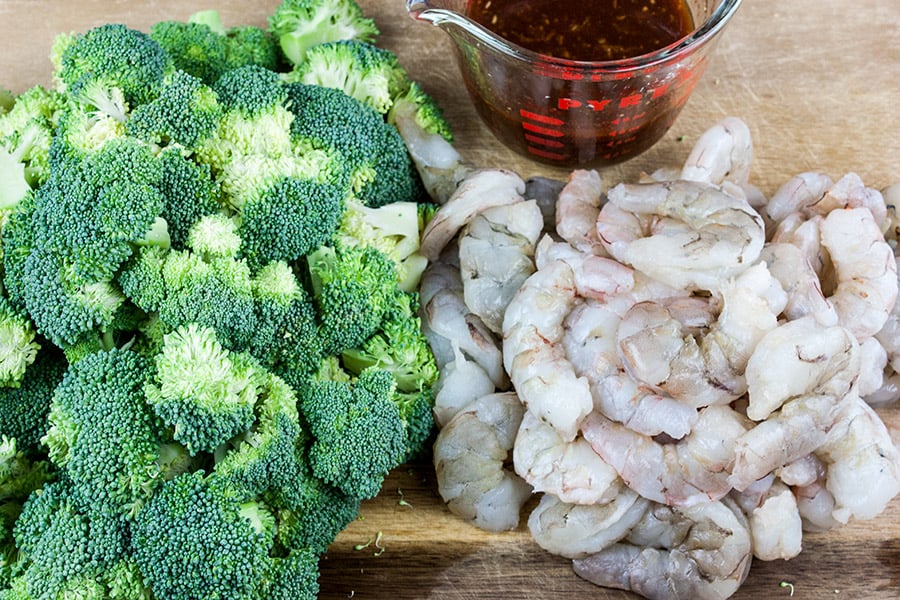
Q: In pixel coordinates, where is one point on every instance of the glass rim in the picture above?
(713, 24)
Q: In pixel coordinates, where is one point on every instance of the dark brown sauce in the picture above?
(586, 29)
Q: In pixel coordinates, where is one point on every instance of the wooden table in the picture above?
(817, 81)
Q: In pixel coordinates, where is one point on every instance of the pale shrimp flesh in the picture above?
(722, 153)
(479, 191)
(577, 209)
(460, 382)
(693, 470)
(700, 235)
(617, 228)
(570, 470)
(470, 456)
(865, 267)
(621, 399)
(533, 353)
(496, 254)
(797, 194)
(589, 339)
(791, 267)
(701, 552)
(579, 530)
(595, 276)
(775, 525)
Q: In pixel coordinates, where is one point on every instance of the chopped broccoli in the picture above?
(114, 55)
(102, 433)
(357, 429)
(419, 107)
(189, 193)
(201, 390)
(396, 178)
(198, 533)
(18, 347)
(301, 24)
(193, 47)
(352, 289)
(289, 220)
(362, 70)
(294, 577)
(251, 45)
(24, 408)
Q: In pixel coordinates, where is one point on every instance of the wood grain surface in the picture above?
(817, 81)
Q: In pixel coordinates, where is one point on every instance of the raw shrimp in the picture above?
(577, 209)
(496, 254)
(862, 462)
(797, 194)
(570, 470)
(800, 358)
(723, 153)
(534, 356)
(775, 525)
(701, 552)
(479, 191)
(578, 530)
(621, 399)
(866, 270)
(799, 428)
(816, 507)
(595, 276)
(589, 339)
(700, 237)
(461, 381)
(872, 363)
(617, 228)
(850, 192)
(470, 453)
(446, 320)
(790, 266)
(692, 471)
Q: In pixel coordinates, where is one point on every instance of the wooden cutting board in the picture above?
(817, 81)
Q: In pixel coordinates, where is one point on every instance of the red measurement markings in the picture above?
(542, 134)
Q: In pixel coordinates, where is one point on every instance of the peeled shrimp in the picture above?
(701, 552)
(866, 270)
(788, 264)
(700, 237)
(570, 470)
(469, 457)
(589, 339)
(595, 276)
(692, 471)
(578, 530)
(621, 399)
(797, 194)
(534, 356)
(496, 254)
(862, 462)
(617, 228)
(460, 382)
(775, 525)
(798, 358)
(577, 209)
(722, 153)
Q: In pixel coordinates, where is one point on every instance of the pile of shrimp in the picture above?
(681, 369)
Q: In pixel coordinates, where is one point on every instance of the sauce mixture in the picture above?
(586, 29)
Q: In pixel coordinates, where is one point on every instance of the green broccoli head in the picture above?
(301, 24)
(371, 74)
(294, 577)
(357, 431)
(102, 434)
(24, 408)
(18, 347)
(396, 178)
(251, 45)
(114, 56)
(193, 47)
(200, 390)
(352, 289)
(289, 220)
(198, 533)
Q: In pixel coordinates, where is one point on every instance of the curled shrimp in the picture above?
(460, 382)
(579, 530)
(788, 264)
(621, 399)
(775, 525)
(595, 276)
(700, 552)
(722, 153)
(496, 254)
(534, 356)
(797, 194)
(570, 470)
(693, 470)
(470, 454)
(700, 235)
(865, 267)
(577, 209)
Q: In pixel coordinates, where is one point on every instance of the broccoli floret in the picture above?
(301, 24)
(102, 433)
(198, 533)
(18, 347)
(396, 178)
(185, 113)
(357, 430)
(251, 45)
(362, 70)
(417, 107)
(17, 237)
(329, 120)
(294, 577)
(203, 392)
(289, 220)
(115, 56)
(189, 192)
(24, 408)
(194, 48)
(69, 548)
(352, 289)
(394, 230)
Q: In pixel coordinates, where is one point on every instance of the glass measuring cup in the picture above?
(576, 113)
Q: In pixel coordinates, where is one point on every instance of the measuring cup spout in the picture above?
(450, 16)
